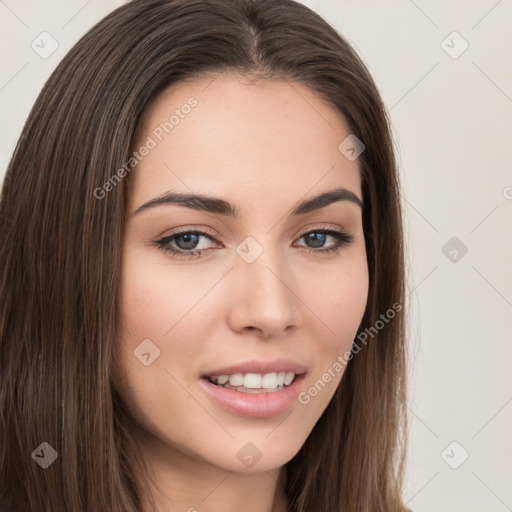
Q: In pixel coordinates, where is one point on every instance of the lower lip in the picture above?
(255, 405)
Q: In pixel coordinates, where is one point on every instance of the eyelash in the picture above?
(343, 239)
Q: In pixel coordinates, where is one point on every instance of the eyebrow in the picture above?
(220, 206)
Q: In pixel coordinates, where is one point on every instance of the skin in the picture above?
(265, 147)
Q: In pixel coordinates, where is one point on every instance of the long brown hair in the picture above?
(60, 255)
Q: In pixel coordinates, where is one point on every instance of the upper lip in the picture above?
(261, 366)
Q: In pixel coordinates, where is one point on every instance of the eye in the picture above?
(187, 244)
(318, 237)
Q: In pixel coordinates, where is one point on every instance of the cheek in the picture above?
(353, 295)
(340, 303)
(163, 303)
(152, 307)
(155, 296)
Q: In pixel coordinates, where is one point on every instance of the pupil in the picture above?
(318, 238)
(190, 241)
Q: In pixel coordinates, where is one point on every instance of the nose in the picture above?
(265, 298)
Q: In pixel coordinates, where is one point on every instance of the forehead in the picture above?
(225, 136)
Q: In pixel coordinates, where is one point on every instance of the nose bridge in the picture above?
(264, 298)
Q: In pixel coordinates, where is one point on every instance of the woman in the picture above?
(202, 286)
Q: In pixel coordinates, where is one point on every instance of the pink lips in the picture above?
(256, 405)
(276, 365)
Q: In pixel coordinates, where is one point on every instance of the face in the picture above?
(275, 289)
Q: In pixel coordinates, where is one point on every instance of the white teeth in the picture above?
(255, 381)
(269, 381)
(252, 380)
(288, 378)
(236, 379)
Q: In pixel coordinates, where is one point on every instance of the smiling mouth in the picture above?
(254, 382)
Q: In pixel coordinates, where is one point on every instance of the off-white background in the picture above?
(452, 119)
